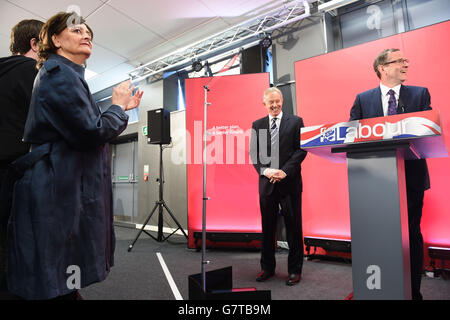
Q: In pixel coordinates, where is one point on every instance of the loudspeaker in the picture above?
(158, 125)
(253, 59)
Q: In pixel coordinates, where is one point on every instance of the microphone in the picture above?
(400, 106)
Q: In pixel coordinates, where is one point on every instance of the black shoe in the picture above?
(264, 275)
(417, 296)
(292, 279)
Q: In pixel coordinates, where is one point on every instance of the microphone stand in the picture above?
(205, 198)
(204, 261)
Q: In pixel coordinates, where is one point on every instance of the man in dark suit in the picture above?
(392, 97)
(276, 155)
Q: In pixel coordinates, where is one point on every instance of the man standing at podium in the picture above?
(389, 98)
(276, 155)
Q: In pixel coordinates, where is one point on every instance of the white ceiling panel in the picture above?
(247, 10)
(200, 32)
(238, 8)
(10, 15)
(166, 18)
(234, 12)
(119, 33)
(47, 8)
(154, 52)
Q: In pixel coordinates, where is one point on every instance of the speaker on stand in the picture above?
(158, 124)
(159, 133)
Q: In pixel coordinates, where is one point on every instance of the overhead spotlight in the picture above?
(197, 65)
(266, 42)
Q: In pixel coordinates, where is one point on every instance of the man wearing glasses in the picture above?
(392, 97)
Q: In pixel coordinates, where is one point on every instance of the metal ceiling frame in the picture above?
(243, 33)
(247, 33)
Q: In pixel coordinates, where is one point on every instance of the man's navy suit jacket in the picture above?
(290, 154)
(368, 105)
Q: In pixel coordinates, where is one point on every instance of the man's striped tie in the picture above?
(273, 132)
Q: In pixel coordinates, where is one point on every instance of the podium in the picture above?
(375, 150)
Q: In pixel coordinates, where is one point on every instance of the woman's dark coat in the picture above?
(62, 219)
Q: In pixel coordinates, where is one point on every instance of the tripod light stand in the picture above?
(160, 205)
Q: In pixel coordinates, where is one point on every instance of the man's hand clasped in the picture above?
(274, 175)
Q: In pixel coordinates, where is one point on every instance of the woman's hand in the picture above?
(135, 100)
(122, 96)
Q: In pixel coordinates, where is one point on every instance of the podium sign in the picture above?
(421, 129)
(375, 150)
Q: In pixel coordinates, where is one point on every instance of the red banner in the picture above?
(326, 87)
(231, 180)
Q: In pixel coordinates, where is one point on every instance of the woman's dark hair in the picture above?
(54, 26)
(22, 33)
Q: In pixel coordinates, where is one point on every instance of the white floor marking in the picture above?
(172, 284)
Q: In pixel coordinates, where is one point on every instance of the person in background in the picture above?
(276, 155)
(17, 73)
(60, 233)
(392, 97)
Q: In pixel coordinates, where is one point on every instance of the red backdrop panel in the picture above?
(326, 87)
(232, 182)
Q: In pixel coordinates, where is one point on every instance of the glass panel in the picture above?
(422, 13)
(366, 24)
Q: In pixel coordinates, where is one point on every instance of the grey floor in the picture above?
(138, 275)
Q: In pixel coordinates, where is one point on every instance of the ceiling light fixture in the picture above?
(197, 65)
(266, 42)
